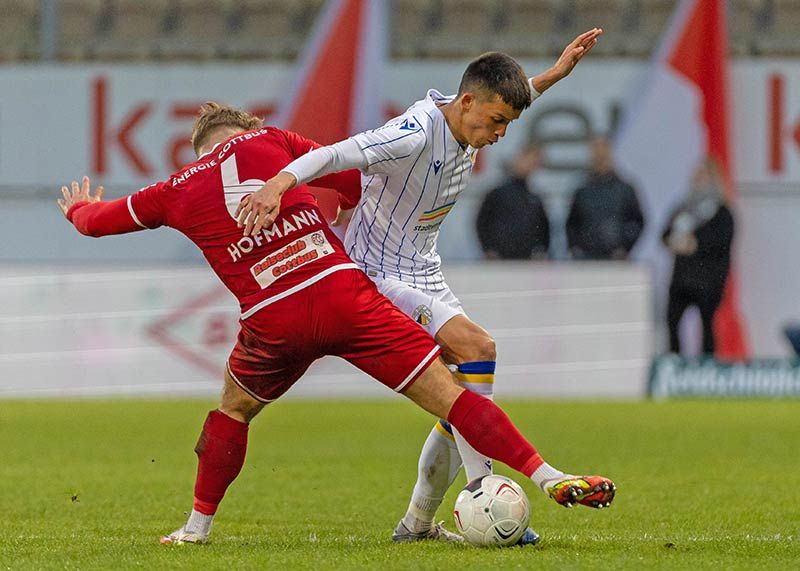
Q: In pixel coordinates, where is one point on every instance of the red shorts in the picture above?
(344, 315)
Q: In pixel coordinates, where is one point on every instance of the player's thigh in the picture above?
(379, 339)
(430, 309)
(434, 390)
(272, 352)
(462, 340)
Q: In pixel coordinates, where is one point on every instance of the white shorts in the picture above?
(431, 309)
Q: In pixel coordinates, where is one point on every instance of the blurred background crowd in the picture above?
(103, 30)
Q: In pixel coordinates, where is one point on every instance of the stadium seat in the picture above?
(201, 26)
(781, 37)
(20, 39)
(611, 15)
(530, 27)
(78, 28)
(136, 29)
(650, 21)
(464, 28)
(265, 29)
(746, 23)
(410, 21)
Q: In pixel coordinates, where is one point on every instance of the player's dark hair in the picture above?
(497, 73)
(213, 115)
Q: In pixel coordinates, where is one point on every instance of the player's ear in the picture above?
(467, 101)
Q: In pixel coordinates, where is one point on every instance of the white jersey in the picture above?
(415, 171)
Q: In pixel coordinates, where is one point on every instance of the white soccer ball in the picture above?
(492, 511)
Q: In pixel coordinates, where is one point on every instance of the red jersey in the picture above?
(200, 201)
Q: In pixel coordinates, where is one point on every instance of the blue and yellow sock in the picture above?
(478, 377)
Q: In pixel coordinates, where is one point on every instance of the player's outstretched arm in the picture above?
(259, 209)
(91, 215)
(79, 193)
(569, 58)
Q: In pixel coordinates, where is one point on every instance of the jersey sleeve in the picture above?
(148, 206)
(347, 184)
(390, 147)
(98, 219)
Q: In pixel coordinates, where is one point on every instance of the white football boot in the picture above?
(436, 533)
(181, 536)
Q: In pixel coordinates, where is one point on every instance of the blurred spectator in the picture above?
(605, 219)
(512, 223)
(699, 234)
(792, 332)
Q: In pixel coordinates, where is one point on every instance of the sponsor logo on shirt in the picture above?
(432, 219)
(436, 166)
(299, 253)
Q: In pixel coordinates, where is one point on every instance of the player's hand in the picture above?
(575, 51)
(258, 210)
(79, 193)
(342, 216)
(682, 244)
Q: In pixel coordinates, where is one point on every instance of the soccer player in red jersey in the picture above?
(301, 298)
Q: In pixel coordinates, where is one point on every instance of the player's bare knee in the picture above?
(481, 347)
(243, 412)
(487, 349)
(236, 403)
(464, 341)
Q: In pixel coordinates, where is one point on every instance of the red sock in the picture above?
(220, 450)
(489, 430)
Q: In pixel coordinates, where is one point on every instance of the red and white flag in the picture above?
(337, 89)
(679, 115)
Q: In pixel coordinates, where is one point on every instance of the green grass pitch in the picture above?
(92, 484)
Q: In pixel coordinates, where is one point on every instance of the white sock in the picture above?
(199, 523)
(437, 468)
(476, 465)
(545, 474)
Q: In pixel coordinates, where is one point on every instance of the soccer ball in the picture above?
(492, 511)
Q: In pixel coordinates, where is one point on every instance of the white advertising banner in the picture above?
(578, 331)
(130, 124)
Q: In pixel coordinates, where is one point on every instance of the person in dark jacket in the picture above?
(605, 219)
(512, 222)
(699, 234)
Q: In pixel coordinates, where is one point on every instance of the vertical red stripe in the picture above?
(323, 106)
(701, 55)
(775, 123)
(99, 154)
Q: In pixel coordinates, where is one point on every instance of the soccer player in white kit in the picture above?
(413, 170)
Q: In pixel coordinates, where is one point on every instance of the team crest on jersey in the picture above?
(408, 125)
(422, 315)
(318, 239)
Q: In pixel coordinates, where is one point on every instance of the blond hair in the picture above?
(213, 115)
